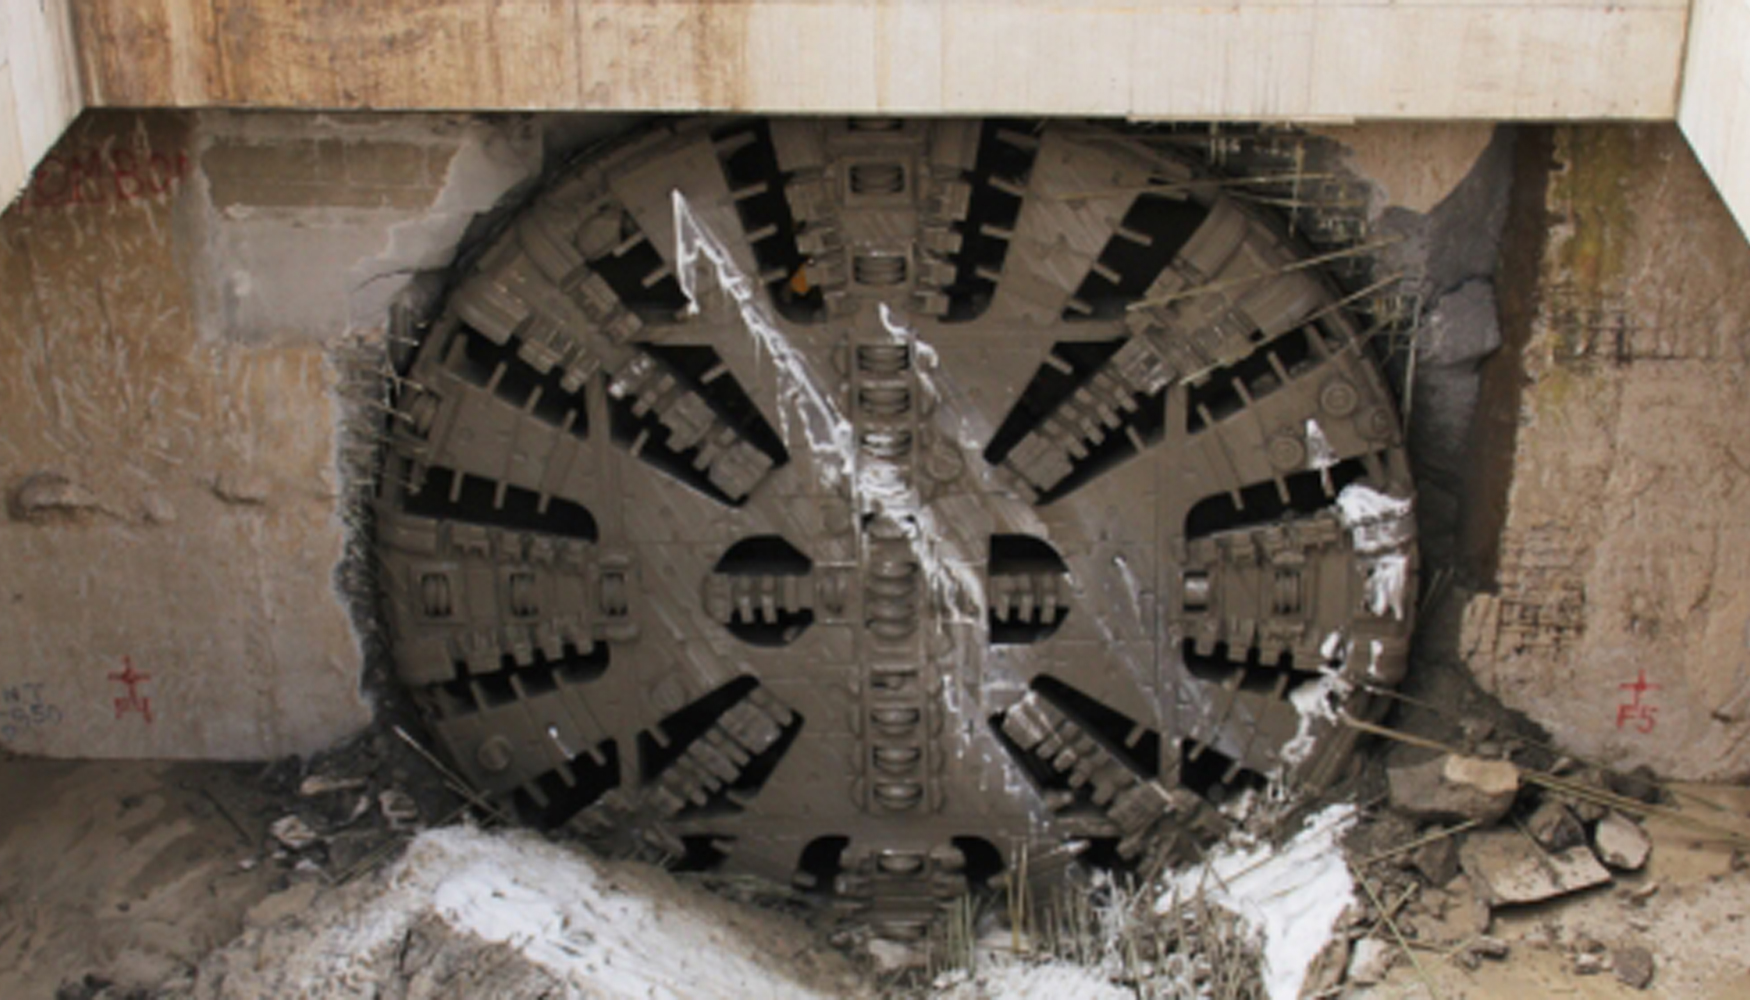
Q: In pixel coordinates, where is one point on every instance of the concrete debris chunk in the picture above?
(293, 832)
(398, 808)
(1471, 954)
(1449, 916)
(1621, 843)
(1554, 826)
(1638, 895)
(1437, 860)
(1509, 868)
(1370, 960)
(1325, 974)
(1452, 787)
(323, 784)
(1586, 810)
(1641, 783)
(1634, 966)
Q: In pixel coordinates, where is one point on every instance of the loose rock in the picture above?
(398, 808)
(1325, 973)
(1621, 843)
(293, 832)
(1451, 787)
(1370, 960)
(322, 784)
(1509, 868)
(1634, 966)
(1448, 916)
(1437, 860)
(1554, 826)
(1640, 783)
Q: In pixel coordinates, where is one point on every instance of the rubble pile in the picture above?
(1461, 837)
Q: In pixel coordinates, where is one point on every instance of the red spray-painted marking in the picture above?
(133, 702)
(1633, 713)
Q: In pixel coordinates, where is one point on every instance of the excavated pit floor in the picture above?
(132, 873)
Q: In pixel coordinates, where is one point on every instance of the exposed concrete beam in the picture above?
(1285, 59)
(39, 85)
(1715, 107)
(1282, 60)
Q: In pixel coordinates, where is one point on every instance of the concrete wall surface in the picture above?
(39, 85)
(1621, 618)
(179, 295)
(1301, 60)
(1287, 59)
(1715, 107)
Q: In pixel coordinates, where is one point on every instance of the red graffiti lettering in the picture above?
(103, 176)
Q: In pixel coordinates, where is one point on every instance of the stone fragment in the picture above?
(293, 832)
(1448, 916)
(1621, 843)
(1640, 784)
(322, 784)
(1634, 966)
(398, 808)
(1491, 948)
(1553, 825)
(1370, 960)
(1588, 963)
(1452, 787)
(1325, 973)
(1509, 868)
(1586, 810)
(892, 956)
(1638, 895)
(1437, 860)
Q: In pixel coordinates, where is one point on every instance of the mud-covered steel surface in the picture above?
(861, 504)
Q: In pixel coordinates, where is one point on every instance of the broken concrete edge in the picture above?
(366, 360)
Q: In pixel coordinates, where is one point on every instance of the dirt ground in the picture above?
(135, 873)
(1695, 923)
(131, 871)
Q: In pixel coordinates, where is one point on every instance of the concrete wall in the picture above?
(39, 85)
(1715, 107)
(1620, 611)
(180, 296)
(1299, 59)
(1302, 60)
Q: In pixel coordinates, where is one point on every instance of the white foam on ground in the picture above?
(1292, 895)
(1018, 981)
(561, 911)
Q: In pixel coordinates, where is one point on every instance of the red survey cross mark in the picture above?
(1633, 713)
(133, 702)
